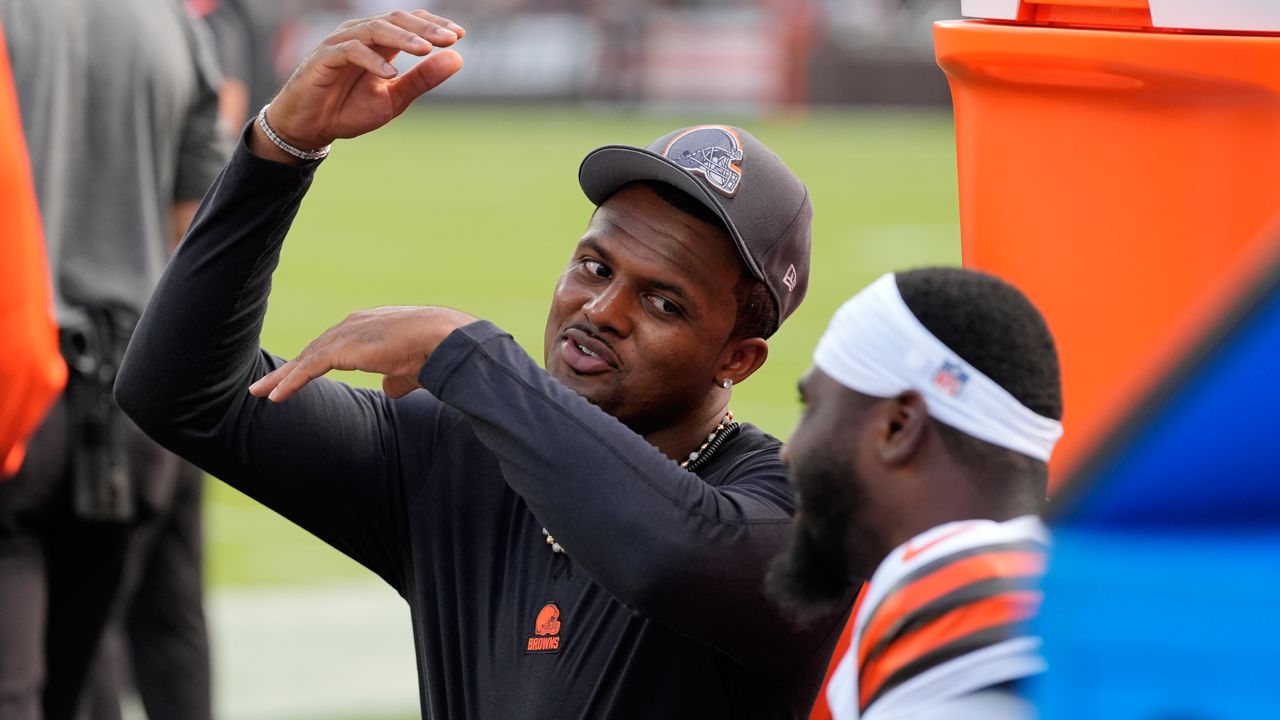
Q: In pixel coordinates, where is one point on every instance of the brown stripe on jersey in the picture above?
(974, 592)
(944, 576)
(1008, 609)
(961, 646)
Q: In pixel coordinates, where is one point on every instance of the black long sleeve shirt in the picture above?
(657, 612)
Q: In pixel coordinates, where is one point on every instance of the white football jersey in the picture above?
(943, 622)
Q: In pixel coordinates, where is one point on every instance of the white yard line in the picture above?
(312, 652)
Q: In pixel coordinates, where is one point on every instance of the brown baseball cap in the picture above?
(763, 204)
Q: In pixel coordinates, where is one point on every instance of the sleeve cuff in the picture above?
(455, 349)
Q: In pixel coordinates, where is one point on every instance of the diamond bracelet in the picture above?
(280, 143)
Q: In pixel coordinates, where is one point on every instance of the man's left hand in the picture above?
(391, 341)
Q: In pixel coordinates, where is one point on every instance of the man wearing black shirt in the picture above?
(584, 541)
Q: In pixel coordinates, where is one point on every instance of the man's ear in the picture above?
(741, 358)
(903, 426)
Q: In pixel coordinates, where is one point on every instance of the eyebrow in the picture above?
(596, 248)
(654, 283)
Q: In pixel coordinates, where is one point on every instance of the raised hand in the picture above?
(391, 341)
(347, 86)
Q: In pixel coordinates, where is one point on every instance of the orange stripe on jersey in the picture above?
(906, 601)
(820, 710)
(1003, 609)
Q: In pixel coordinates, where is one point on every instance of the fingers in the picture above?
(347, 86)
(398, 17)
(397, 387)
(384, 34)
(316, 359)
(370, 44)
(439, 31)
(355, 52)
(283, 382)
(415, 33)
(301, 374)
(443, 22)
(268, 382)
(391, 341)
(422, 77)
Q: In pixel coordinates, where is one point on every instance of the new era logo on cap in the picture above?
(711, 151)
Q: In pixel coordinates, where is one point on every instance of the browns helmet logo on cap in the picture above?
(711, 151)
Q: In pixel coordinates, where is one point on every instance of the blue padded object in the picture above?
(1205, 451)
(1161, 626)
(1164, 579)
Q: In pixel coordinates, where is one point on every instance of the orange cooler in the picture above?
(1119, 160)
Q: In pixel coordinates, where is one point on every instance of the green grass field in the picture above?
(479, 208)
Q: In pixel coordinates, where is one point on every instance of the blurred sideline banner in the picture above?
(738, 57)
(673, 58)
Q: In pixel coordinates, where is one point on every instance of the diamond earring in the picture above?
(726, 383)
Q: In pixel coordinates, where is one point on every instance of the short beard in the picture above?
(815, 577)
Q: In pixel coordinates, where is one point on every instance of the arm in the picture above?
(669, 545)
(196, 348)
(328, 461)
(660, 539)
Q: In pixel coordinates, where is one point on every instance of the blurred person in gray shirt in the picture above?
(119, 107)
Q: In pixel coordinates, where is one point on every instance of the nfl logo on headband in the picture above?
(712, 152)
(950, 378)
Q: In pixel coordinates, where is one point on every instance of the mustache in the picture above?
(590, 331)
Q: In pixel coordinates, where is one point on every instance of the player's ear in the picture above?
(903, 421)
(741, 358)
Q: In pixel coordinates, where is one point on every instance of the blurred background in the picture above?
(471, 200)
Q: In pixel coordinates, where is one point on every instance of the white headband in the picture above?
(876, 346)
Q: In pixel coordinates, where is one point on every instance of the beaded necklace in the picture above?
(696, 459)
